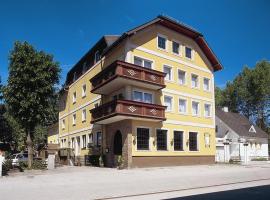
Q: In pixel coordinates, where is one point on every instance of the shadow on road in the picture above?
(253, 193)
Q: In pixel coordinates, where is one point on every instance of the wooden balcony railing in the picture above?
(128, 108)
(128, 71)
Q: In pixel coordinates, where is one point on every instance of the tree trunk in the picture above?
(30, 150)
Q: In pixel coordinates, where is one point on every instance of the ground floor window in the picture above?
(143, 136)
(193, 141)
(161, 139)
(178, 140)
(84, 141)
(98, 139)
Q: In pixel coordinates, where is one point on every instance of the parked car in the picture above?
(18, 157)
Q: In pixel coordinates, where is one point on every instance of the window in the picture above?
(182, 105)
(188, 52)
(143, 139)
(74, 76)
(143, 62)
(84, 90)
(142, 96)
(178, 140)
(84, 141)
(207, 110)
(176, 47)
(63, 124)
(206, 84)
(98, 139)
(72, 142)
(84, 68)
(161, 139)
(216, 128)
(74, 119)
(168, 71)
(84, 115)
(195, 108)
(194, 81)
(96, 105)
(90, 138)
(181, 77)
(97, 56)
(168, 102)
(162, 42)
(74, 97)
(193, 141)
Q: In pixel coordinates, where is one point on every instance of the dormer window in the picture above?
(74, 76)
(84, 68)
(97, 56)
(252, 129)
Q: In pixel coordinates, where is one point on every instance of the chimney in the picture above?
(225, 109)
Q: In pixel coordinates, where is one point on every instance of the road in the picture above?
(87, 183)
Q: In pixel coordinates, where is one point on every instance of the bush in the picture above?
(259, 159)
(37, 164)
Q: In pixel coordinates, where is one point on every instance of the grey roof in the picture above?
(240, 124)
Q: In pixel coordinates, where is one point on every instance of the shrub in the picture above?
(37, 164)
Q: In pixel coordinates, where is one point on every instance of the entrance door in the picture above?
(117, 143)
(78, 146)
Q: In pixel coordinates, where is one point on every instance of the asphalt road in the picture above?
(252, 193)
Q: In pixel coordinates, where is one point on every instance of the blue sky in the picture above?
(238, 31)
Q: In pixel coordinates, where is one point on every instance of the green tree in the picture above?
(30, 90)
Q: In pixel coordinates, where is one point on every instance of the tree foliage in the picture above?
(249, 94)
(30, 92)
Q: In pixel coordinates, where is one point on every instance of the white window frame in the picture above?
(74, 97)
(171, 69)
(150, 141)
(184, 139)
(84, 91)
(168, 139)
(192, 52)
(209, 84)
(63, 124)
(198, 141)
(84, 142)
(143, 60)
(180, 48)
(198, 78)
(178, 70)
(210, 110)
(199, 110)
(143, 92)
(182, 98)
(172, 97)
(83, 115)
(74, 119)
(166, 42)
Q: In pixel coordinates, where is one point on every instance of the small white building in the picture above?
(238, 139)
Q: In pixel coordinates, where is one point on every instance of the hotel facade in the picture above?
(147, 95)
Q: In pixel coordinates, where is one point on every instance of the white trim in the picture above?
(171, 59)
(178, 70)
(84, 91)
(74, 97)
(83, 117)
(198, 81)
(149, 145)
(177, 122)
(143, 59)
(74, 118)
(183, 142)
(186, 95)
(210, 110)
(252, 129)
(199, 109)
(80, 107)
(180, 48)
(171, 69)
(210, 85)
(183, 113)
(76, 131)
(172, 102)
(166, 42)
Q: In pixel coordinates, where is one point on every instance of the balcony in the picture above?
(118, 110)
(120, 73)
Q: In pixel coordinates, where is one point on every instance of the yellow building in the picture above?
(147, 95)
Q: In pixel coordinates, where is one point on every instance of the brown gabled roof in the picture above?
(240, 124)
(178, 27)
